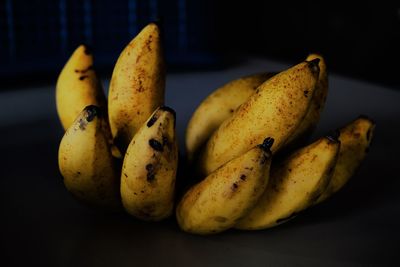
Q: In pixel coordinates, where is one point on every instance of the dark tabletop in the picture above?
(43, 225)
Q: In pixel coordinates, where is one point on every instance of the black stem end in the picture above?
(92, 111)
(267, 144)
(314, 65)
(87, 49)
(168, 109)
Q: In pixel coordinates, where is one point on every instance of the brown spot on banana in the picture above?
(156, 145)
(150, 172)
(152, 120)
(84, 70)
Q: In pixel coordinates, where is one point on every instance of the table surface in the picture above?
(42, 224)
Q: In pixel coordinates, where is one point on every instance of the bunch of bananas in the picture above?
(123, 154)
(247, 141)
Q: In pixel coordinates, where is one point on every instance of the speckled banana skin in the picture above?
(355, 140)
(77, 87)
(86, 163)
(275, 109)
(294, 185)
(137, 85)
(149, 169)
(217, 107)
(311, 119)
(227, 194)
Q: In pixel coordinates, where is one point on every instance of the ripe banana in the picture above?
(275, 109)
(307, 126)
(149, 168)
(355, 139)
(227, 194)
(137, 85)
(217, 107)
(77, 87)
(294, 185)
(86, 163)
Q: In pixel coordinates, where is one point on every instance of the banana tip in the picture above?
(168, 109)
(267, 144)
(87, 49)
(92, 111)
(365, 117)
(158, 22)
(314, 65)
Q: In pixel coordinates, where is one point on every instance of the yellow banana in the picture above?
(312, 116)
(227, 194)
(355, 139)
(217, 107)
(86, 163)
(294, 185)
(77, 87)
(149, 168)
(137, 85)
(275, 109)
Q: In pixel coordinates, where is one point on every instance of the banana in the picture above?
(217, 107)
(355, 140)
(227, 194)
(77, 87)
(294, 185)
(149, 168)
(86, 163)
(308, 124)
(137, 85)
(275, 109)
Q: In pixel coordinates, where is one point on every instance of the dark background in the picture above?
(207, 43)
(359, 40)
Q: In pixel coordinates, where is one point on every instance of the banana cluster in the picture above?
(247, 142)
(249, 139)
(124, 154)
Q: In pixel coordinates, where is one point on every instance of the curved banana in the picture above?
(77, 87)
(217, 107)
(355, 139)
(86, 163)
(137, 85)
(149, 168)
(275, 109)
(227, 194)
(294, 185)
(308, 124)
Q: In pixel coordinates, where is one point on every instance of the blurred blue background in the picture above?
(358, 40)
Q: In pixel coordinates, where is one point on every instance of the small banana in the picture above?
(227, 194)
(275, 109)
(308, 124)
(294, 185)
(355, 139)
(137, 85)
(86, 163)
(217, 107)
(77, 87)
(149, 168)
